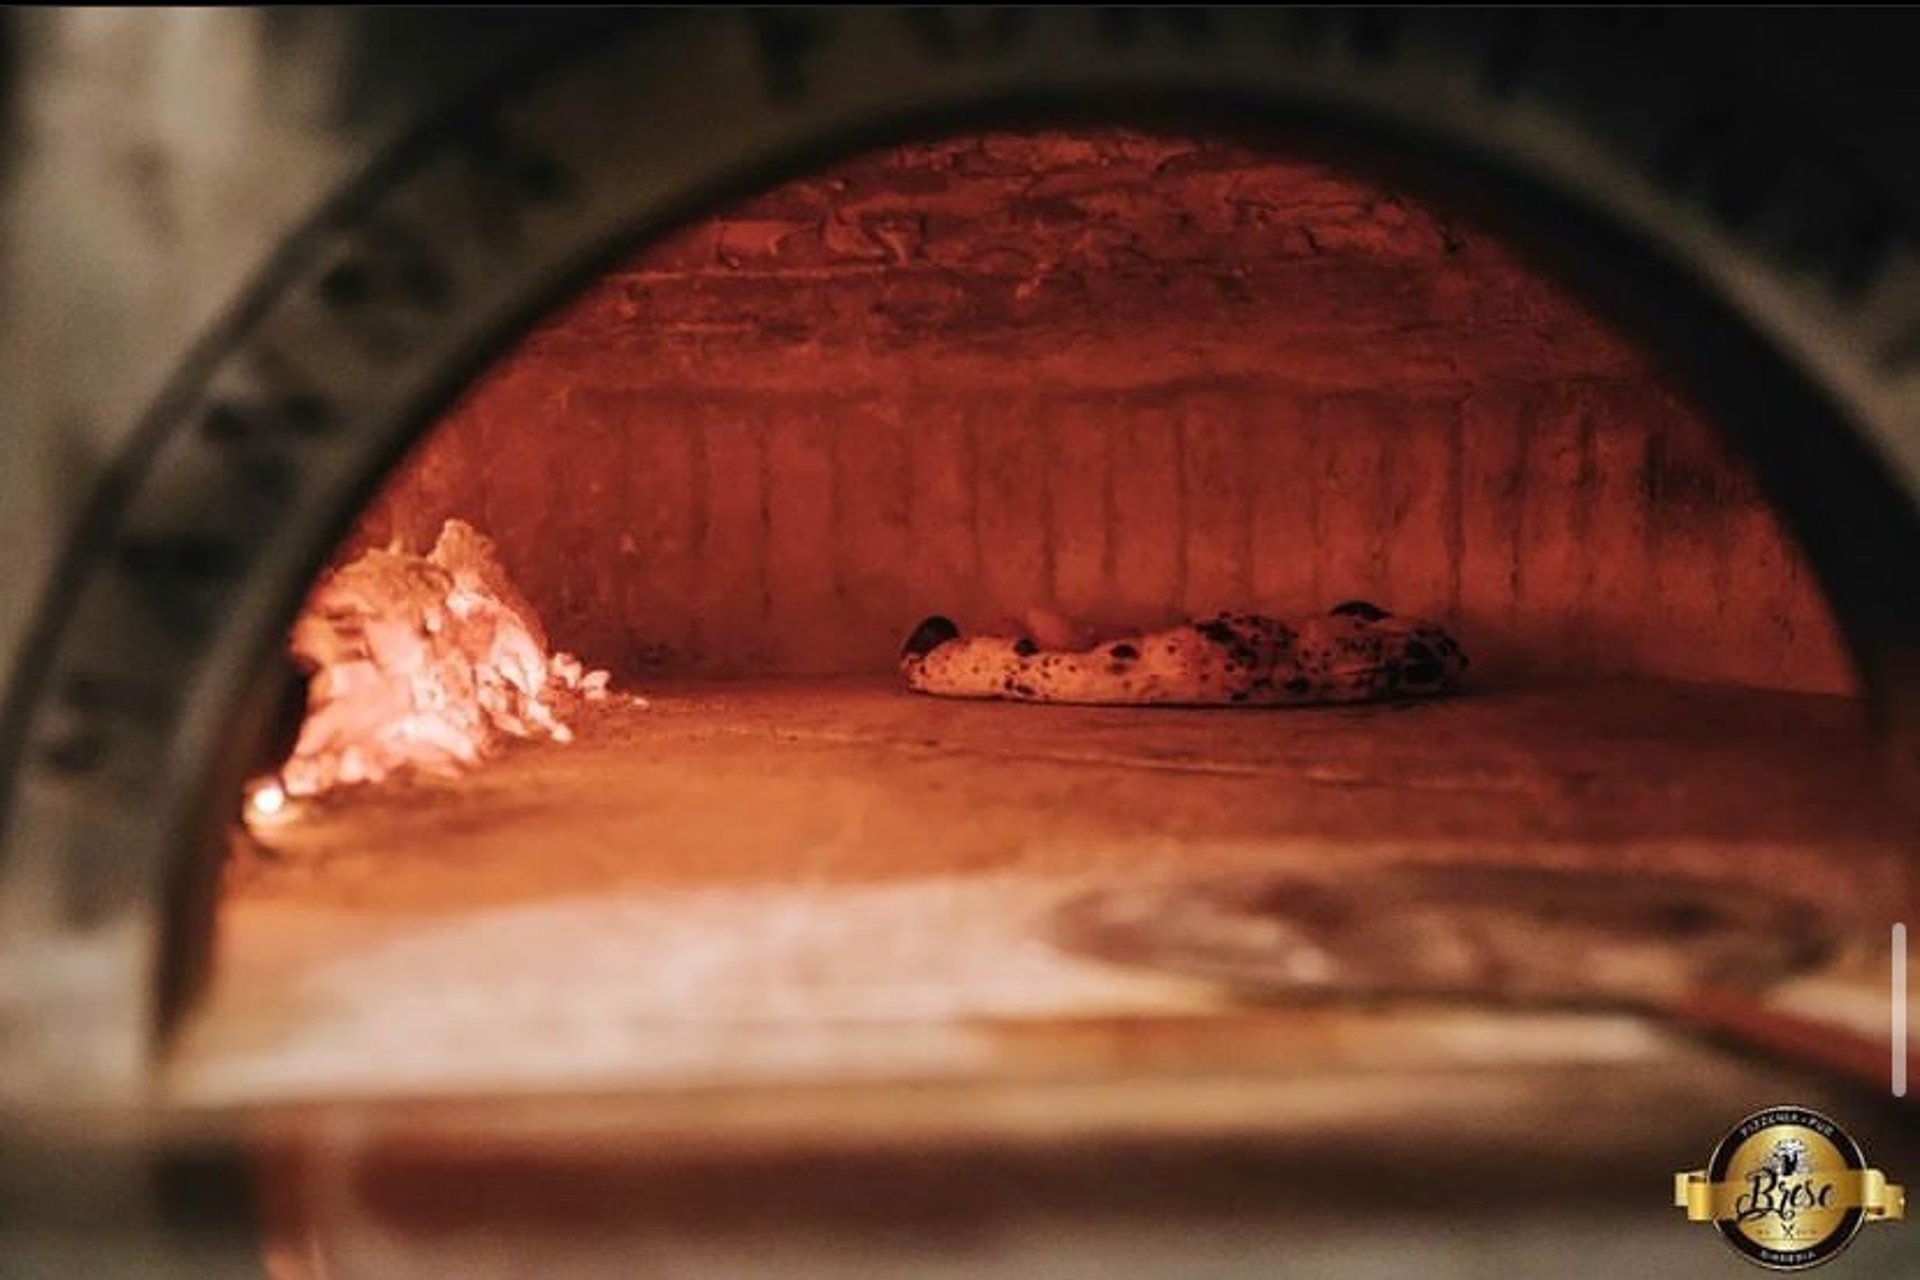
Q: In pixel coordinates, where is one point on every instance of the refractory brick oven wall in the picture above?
(1131, 377)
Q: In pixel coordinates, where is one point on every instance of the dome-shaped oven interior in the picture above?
(1109, 377)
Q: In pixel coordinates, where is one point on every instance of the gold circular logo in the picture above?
(1789, 1189)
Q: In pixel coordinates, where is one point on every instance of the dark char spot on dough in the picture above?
(1221, 633)
(928, 636)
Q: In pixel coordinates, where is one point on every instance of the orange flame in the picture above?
(422, 662)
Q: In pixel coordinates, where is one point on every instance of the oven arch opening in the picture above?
(121, 732)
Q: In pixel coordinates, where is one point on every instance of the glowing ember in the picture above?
(423, 662)
(265, 799)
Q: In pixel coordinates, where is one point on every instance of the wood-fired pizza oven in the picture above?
(750, 340)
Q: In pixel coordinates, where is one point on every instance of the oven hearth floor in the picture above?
(790, 881)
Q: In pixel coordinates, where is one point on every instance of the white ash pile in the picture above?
(425, 662)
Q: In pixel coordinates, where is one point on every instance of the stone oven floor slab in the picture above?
(837, 880)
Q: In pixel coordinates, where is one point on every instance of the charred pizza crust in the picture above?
(1357, 652)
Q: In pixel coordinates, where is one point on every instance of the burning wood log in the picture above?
(423, 662)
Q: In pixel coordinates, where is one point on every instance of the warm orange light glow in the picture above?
(266, 799)
(423, 662)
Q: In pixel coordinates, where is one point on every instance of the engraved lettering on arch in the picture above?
(387, 284)
(262, 417)
(88, 714)
(1300, 30)
(1373, 34)
(182, 578)
(1898, 356)
(502, 178)
(1765, 188)
(954, 33)
(785, 44)
(1508, 51)
(1723, 160)
(1696, 149)
(1124, 27)
(1831, 225)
